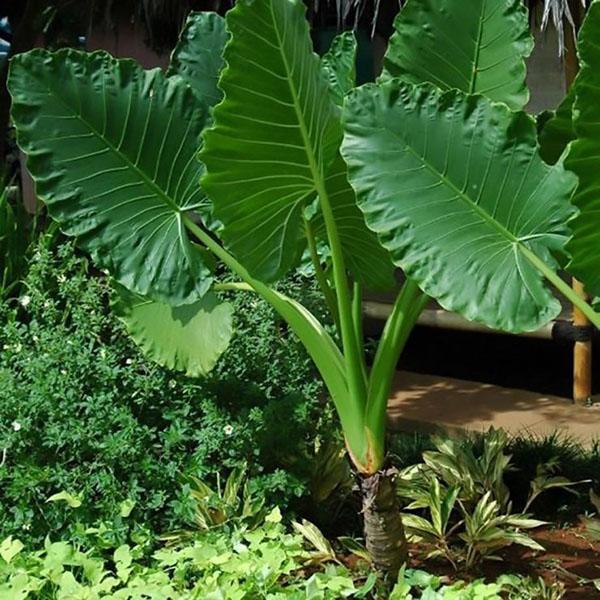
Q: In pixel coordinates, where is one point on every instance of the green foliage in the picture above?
(198, 57)
(470, 204)
(477, 47)
(189, 338)
(583, 155)
(266, 562)
(420, 584)
(557, 131)
(533, 458)
(19, 232)
(229, 503)
(481, 240)
(464, 510)
(148, 183)
(82, 411)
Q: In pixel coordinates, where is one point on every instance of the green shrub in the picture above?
(82, 411)
(264, 563)
(268, 562)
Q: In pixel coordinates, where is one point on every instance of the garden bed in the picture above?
(569, 558)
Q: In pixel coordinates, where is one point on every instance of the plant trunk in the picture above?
(384, 533)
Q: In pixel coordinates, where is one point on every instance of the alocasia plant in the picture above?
(446, 185)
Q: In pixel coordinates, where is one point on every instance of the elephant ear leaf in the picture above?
(112, 150)
(365, 257)
(460, 198)
(584, 157)
(198, 56)
(188, 338)
(339, 65)
(275, 135)
(477, 47)
(558, 131)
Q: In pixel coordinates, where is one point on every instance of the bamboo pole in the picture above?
(582, 351)
(582, 356)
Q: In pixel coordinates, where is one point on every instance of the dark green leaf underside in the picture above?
(558, 131)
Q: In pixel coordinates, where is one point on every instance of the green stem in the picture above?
(357, 384)
(563, 287)
(319, 345)
(328, 292)
(357, 317)
(409, 304)
(234, 286)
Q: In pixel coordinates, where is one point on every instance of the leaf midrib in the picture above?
(477, 51)
(318, 177)
(470, 203)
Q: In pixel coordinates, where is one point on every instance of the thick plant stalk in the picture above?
(384, 533)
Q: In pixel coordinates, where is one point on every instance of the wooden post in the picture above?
(582, 351)
(582, 356)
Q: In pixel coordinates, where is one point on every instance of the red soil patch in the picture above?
(569, 558)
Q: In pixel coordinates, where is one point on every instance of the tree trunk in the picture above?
(384, 533)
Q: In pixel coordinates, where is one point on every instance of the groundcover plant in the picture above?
(164, 178)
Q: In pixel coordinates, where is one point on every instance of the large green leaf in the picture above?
(187, 338)
(558, 131)
(339, 65)
(584, 156)
(112, 148)
(198, 56)
(365, 257)
(477, 47)
(460, 197)
(275, 134)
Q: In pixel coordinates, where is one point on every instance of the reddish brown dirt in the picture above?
(569, 558)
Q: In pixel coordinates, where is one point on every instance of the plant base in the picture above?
(384, 533)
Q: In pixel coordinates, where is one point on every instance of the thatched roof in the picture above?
(162, 19)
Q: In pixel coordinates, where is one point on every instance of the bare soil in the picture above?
(569, 558)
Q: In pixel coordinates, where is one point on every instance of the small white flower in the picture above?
(26, 526)
(172, 383)
(63, 371)
(35, 338)
(25, 301)
(62, 278)
(16, 426)
(128, 361)
(228, 430)
(47, 304)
